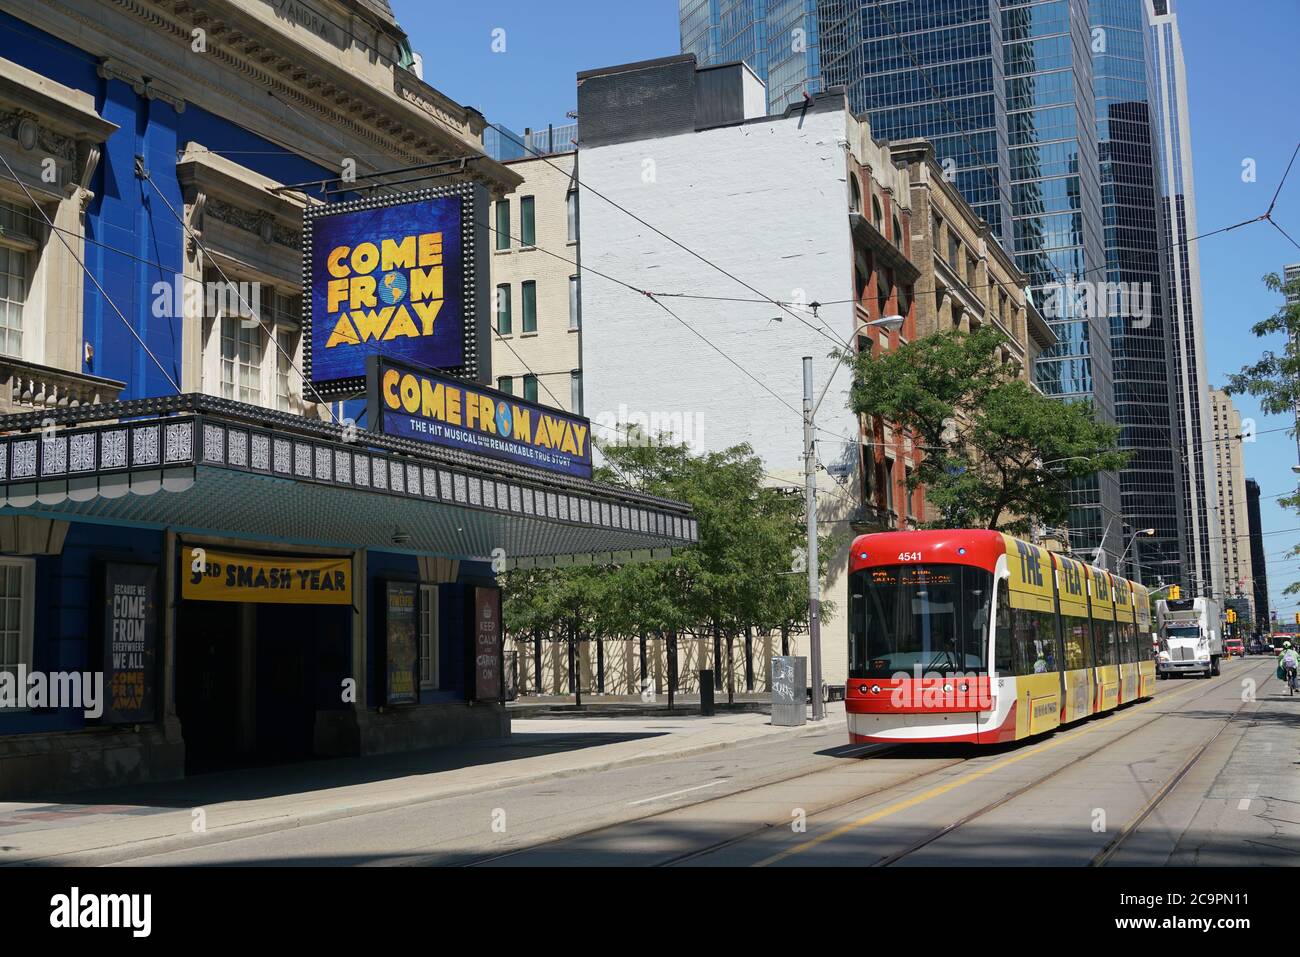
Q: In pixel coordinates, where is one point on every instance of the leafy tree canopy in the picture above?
(745, 571)
(998, 454)
(1275, 379)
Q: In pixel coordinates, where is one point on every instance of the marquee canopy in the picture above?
(227, 468)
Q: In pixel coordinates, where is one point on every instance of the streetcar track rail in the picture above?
(769, 825)
(1114, 844)
(883, 750)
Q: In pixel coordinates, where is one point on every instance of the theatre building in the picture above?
(255, 488)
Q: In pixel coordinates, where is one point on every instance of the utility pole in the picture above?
(814, 585)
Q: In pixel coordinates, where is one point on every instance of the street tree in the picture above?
(997, 453)
(747, 572)
(1274, 380)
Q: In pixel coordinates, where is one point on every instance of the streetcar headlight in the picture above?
(875, 689)
(862, 689)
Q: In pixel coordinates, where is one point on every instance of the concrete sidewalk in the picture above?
(113, 824)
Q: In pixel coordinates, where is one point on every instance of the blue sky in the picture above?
(1243, 75)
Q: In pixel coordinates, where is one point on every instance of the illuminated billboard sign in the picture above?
(393, 277)
(441, 410)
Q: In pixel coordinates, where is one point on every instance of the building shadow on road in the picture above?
(256, 783)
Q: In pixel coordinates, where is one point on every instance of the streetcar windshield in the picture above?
(928, 618)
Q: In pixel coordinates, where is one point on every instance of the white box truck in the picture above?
(1191, 637)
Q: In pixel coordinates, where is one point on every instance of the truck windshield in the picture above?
(934, 618)
(1190, 632)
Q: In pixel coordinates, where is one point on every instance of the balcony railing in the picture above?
(870, 518)
(28, 387)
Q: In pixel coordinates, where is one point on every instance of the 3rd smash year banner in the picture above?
(386, 279)
(422, 405)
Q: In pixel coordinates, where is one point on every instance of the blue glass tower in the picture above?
(1141, 344)
(777, 38)
(1005, 90)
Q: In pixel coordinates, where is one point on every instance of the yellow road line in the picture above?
(952, 785)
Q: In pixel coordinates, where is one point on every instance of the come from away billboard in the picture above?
(390, 276)
(441, 410)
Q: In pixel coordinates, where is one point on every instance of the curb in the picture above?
(117, 853)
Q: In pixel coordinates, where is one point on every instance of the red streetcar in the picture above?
(974, 636)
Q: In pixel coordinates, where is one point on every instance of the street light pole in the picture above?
(814, 584)
(885, 324)
(1119, 566)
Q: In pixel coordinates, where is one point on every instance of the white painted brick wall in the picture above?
(768, 202)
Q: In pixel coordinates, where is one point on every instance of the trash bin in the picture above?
(789, 693)
(706, 692)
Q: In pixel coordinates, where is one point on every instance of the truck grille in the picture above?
(1182, 653)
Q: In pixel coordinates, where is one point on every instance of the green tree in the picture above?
(748, 569)
(1275, 379)
(998, 454)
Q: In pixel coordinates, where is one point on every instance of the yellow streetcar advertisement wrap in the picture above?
(1031, 587)
(1125, 617)
(1146, 656)
(1072, 590)
(1102, 605)
(1046, 641)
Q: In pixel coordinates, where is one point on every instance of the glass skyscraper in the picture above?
(777, 38)
(1051, 115)
(1187, 369)
(1141, 347)
(1004, 89)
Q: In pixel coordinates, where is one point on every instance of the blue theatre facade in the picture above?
(254, 576)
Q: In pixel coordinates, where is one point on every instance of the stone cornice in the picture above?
(403, 123)
(201, 171)
(63, 111)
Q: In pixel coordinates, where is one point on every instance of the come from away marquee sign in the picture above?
(390, 277)
(441, 410)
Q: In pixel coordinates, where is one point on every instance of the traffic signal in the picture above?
(1175, 593)
(1232, 615)
(1297, 618)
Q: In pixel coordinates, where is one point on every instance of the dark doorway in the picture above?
(207, 676)
(251, 678)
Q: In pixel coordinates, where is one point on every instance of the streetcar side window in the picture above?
(1078, 642)
(1104, 632)
(1003, 636)
(1035, 640)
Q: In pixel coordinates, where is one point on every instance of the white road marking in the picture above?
(1244, 803)
(660, 797)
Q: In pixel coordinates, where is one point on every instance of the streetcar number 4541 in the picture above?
(909, 556)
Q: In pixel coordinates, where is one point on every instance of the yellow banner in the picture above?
(1101, 590)
(1029, 571)
(1142, 601)
(233, 576)
(1123, 594)
(1072, 576)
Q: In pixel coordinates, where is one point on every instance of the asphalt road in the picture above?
(1206, 772)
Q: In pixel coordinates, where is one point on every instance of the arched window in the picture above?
(898, 234)
(877, 217)
(855, 195)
